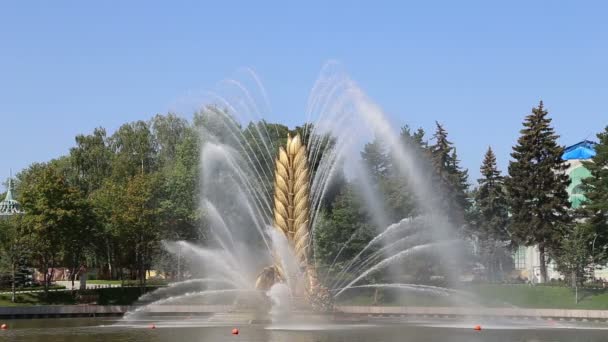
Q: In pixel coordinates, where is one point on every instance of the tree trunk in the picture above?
(543, 264)
(13, 285)
(574, 280)
(376, 290)
(73, 276)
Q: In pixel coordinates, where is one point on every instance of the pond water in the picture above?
(187, 330)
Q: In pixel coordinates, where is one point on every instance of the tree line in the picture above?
(111, 200)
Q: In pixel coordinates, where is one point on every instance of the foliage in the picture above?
(595, 208)
(489, 218)
(575, 253)
(450, 179)
(58, 221)
(537, 186)
(113, 199)
(14, 248)
(342, 232)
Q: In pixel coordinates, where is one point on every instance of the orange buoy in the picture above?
(152, 326)
(477, 328)
(235, 331)
(3, 326)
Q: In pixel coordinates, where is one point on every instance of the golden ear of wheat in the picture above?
(291, 196)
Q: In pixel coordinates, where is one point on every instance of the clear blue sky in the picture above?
(477, 67)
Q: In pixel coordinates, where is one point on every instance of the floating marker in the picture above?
(477, 328)
(235, 331)
(3, 326)
(152, 326)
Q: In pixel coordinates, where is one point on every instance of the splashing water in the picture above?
(280, 298)
(237, 170)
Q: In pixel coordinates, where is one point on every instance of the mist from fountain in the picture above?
(236, 201)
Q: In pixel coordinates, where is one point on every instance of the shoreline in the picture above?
(341, 313)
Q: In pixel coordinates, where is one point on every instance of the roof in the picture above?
(9, 206)
(582, 150)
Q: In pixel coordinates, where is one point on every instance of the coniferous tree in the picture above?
(397, 187)
(491, 213)
(375, 157)
(537, 186)
(450, 178)
(491, 200)
(595, 208)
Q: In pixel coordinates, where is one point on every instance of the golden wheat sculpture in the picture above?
(292, 218)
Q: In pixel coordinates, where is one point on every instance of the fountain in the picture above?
(262, 196)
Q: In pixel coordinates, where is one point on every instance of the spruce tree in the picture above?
(492, 216)
(595, 208)
(450, 179)
(375, 157)
(537, 186)
(491, 200)
(396, 187)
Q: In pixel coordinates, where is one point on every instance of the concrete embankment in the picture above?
(396, 311)
(342, 312)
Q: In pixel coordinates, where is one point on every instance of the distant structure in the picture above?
(9, 206)
(575, 155)
(527, 258)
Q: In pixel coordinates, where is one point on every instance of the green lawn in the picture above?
(105, 296)
(553, 297)
(494, 295)
(31, 288)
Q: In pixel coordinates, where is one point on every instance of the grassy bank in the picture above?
(104, 296)
(551, 297)
(493, 295)
(31, 288)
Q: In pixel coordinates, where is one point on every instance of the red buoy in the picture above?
(3, 326)
(235, 331)
(477, 328)
(152, 326)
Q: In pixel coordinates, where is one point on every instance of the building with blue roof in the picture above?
(526, 258)
(575, 155)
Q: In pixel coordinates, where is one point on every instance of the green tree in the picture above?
(537, 186)
(595, 208)
(91, 158)
(492, 217)
(586, 245)
(450, 179)
(396, 188)
(134, 150)
(137, 213)
(14, 247)
(575, 255)
(342, 232)
(375, 157)
(55, 214)
(168, 132)
(112, 237)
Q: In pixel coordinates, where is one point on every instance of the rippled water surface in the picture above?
(198, 329)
